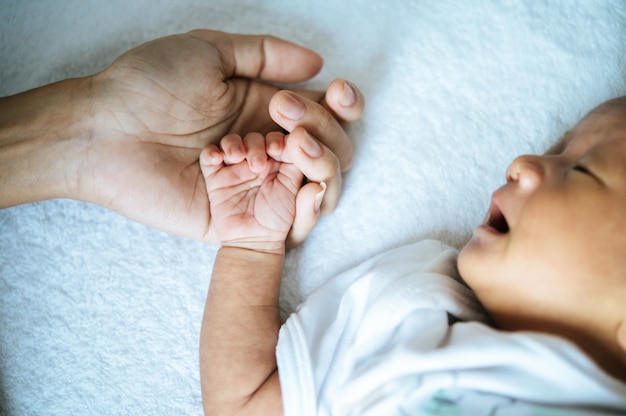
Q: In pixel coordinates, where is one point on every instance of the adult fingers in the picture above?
(342, 99)
(308, 203)
(318, 163)
(342, 104)
(263, 56)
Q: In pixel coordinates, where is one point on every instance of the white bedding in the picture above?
(99, 315)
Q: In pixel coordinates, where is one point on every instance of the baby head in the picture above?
(551, 254)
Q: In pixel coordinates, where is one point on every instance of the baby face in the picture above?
(553, 245)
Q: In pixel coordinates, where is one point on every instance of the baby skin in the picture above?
(550, 257)
(256, 192)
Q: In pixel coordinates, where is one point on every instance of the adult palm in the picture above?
(159, 104)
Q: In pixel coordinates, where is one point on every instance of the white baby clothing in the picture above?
(401, 334)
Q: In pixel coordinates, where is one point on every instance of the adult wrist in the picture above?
(43, 133)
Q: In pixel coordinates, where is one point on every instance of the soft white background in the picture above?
(100, 316)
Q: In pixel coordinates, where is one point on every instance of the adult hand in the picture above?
(129, 137)
(159, 104)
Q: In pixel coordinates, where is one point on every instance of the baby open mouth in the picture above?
(495, 219)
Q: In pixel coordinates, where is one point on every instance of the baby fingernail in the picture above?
(348, 97)
(320, 197)
(310, 146)
(291, 107)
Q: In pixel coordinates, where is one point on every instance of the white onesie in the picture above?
(402, 335)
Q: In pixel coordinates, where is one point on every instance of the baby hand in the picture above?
(252, 188)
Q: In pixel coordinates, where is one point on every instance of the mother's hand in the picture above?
(158, 105)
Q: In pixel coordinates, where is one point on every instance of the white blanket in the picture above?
(99, 315)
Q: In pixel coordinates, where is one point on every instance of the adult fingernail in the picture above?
(320, 197)
(310, 146)
(291, 107)
(348, 97)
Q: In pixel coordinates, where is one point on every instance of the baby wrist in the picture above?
(267, 247)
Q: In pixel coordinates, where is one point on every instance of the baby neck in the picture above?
(605, 345)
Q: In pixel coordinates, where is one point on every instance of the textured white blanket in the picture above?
(101, 316)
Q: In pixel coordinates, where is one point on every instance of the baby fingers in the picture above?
(211, 160)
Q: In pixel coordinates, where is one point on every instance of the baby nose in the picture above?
(528, 171)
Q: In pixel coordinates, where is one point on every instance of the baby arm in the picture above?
(253, 200)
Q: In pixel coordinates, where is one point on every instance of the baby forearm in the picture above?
(41, 132)
(239, 333)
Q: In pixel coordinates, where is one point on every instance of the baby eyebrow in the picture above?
(560, 145)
